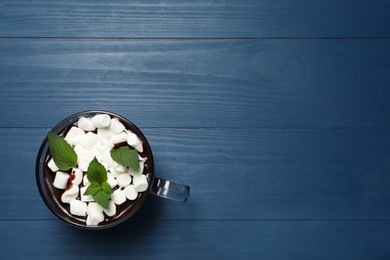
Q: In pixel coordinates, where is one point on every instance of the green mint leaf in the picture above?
(106, 188)
(93, 188)
(126, 156)
(96, 172)
(99, 188)
(102, 198)
(63, 154)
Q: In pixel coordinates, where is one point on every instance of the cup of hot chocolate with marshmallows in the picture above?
(95, 169)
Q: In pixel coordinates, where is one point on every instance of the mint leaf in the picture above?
(106, 188)
(126, 156)
(99, 188)
(96, 172)
(63, 154)
(102, 198)
(93, 188)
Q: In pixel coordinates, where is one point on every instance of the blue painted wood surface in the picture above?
(195, 19)
(285, 142)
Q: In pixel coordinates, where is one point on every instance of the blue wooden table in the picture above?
(276, 113)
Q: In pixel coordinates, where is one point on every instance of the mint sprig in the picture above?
(99, 189)
(63, 154)
(126, 156)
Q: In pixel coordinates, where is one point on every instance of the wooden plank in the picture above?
(237, 173)
(199, 239)
(269, 83)
(229, 18)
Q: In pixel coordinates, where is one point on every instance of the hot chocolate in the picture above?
(93, 135)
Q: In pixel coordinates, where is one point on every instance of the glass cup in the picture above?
(52, 196)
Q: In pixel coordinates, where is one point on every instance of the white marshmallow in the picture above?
(140, 182)
(86, 181)
(142, 159)
(70, 194)
(134, 141)
(108, 159)
(111, 211)
(123, 179)
(130, 192)
(118, 197)
(111, 180)
(83, 164)
(74, 135)
(103, 145)
(94, 207)
(85, 198)
(113, 172)
(52, 165)
(76, 176)
(83, 153)
(94, 218)
(120, 168)
(116, 139)
(104, 133)
(101, 120)
(86, 124)
(116, 126)
(61, 180)
(78, 208)
(89, 140)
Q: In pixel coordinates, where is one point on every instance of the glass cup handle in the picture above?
(170, 190)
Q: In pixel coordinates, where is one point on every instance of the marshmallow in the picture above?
(134, 141)
(94, 207)
(94, 218)
(116, 126)
(101, 121)
(123, 179)
(89, 140)
(120, 168)
(103, 146)
(95, 214)
(130, 192)
(108, 159)
(140, 182)
(104, 133)
(85, 198)
(74, 135)
(142, 159)
(76, 176)
(86, 181)
(86, 124)
(70, 194)
(118, 197)
(116, 139)
(111, 211)
(83, 153)
(78, 208)
(61, 180)
(111, 180)
(113, 172)
(83, 164)
(52, 165)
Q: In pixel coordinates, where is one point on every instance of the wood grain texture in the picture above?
(236, 174)
(229, 18)
(270, 83)
(199, 239)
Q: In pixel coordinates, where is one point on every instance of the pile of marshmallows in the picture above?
(87, 144)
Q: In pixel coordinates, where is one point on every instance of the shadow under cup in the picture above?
(52, 196)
